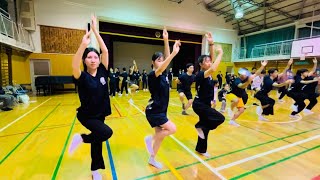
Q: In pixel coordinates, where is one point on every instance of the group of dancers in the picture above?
(95, 101)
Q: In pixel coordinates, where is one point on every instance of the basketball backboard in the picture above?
(305, 48)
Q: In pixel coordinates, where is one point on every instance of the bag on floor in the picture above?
(23, 98)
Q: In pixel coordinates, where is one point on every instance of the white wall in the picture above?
(185, 17)
(125, 52)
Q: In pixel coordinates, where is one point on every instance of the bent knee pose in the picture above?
(156, 110)
(94, 98)
(185, 81)
(209, 118)
(238, 93)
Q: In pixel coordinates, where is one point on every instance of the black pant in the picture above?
(112, 86)
(283, 91)
(265, 100)
(209, 119)
(312, 97)
(124, 86)
(220, 83)
(245, 98)
(117, 85)
(100, 132)
(299, 98)
(170, 83)
(144, 84)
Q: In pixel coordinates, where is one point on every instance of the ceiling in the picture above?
(261, 14)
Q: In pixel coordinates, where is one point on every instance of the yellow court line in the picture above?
(143, 37)
(213, 170)
(22, 116)
(165, 160)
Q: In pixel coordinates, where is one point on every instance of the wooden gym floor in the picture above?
(34, 140)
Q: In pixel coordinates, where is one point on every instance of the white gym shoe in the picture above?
(262, 118)
(294, 116)
(307, 112)
(294, 108)
(230, 113)
(233, 123)
(259, 110)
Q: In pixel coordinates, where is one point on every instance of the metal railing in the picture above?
(13, 30)
(281, 48)
(2, 11)
(272, 49)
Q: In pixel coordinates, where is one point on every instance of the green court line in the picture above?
(274, 163)
(56, 169)
(2, 160)
(226, 154)
(271, 135)
(312, 122)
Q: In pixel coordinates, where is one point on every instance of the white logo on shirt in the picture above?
(103, 81)
(167, 79)
(149, 104)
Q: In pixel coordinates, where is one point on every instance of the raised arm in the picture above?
(166, 62)
(211, 46)
(290, 81)
(263, 65)
(166, 42)
(246, 84)
(287, 68)
(103, 47)
(77, 58)
(215, 64)
(315, 62)
(216, 61)
(309, 81)
(135, 67)
(250, 79)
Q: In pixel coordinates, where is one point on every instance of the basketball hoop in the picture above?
(303, 56)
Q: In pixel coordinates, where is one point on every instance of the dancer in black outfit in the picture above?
(94, 98)
(185, 81)
(156, 110)
(112, 82)
(209, 118)
(144, 80)
(124, 84)
(299, 91)
(269, 82)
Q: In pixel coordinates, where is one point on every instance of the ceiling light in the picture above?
(239, 13)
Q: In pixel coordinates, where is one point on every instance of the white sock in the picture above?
(154, 163)
(234, 123)
(96, 175)
(148, 142)
(76, 141)
(200, 133)
(206, 154)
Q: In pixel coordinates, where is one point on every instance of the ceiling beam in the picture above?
(223, 8)
(234, 11)
(217, 3)
(229, 18)
(269, 7)
(226, 13)
(301, 8)
(210, 2)
(252, 29)
(305, 6)
(264, 14)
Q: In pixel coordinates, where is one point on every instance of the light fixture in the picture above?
(239, 13)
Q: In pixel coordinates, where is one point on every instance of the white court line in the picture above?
(16, 120)
(266, 153)
(192, 153)
(273, 122)
(175, 104)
